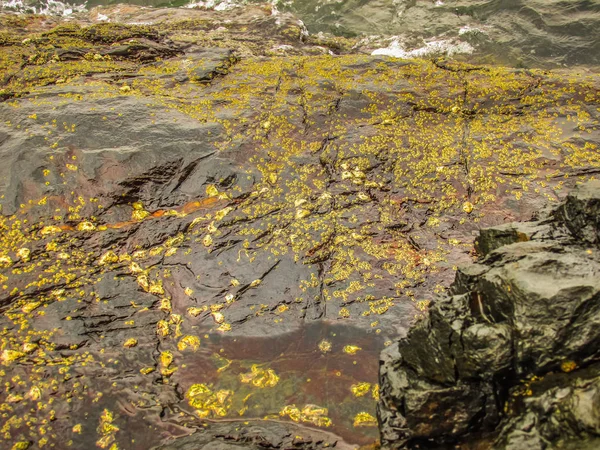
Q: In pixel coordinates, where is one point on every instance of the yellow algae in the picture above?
(108, 258)
(206, 402)
(195, 311)
(50, 229)
(129, 343)
(324, 346)
(5, 261)
(106, 430)
(165, 305)
(162, 328)
(260, 377)
(568, 366)
(23, 253)
(156, 287)
(351, 349)
(35, 393)
(364, 419)
(218, 317)
(211, 190)
(139, 213)
(86, 226)
(308, 414)
(360, 389)
(30, 306)
(188, 341)
(10, 356)
(224, 327)
(375, 392)
(29, 347)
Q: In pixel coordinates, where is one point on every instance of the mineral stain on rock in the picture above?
(165, 182)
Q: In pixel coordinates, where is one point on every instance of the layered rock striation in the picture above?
(509, 358)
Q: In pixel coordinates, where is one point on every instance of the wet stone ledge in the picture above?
(209, 221)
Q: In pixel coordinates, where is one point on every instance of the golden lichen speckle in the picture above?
(324, 346)
(259, 377)
(129, 343)
(364, 419)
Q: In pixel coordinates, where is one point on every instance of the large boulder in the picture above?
(510, 356)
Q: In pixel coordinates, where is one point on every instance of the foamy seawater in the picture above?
(520, 33)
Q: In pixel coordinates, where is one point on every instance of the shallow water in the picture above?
(308, 373)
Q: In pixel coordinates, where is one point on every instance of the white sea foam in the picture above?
(46, 7)
(442, 46)
(217, 5)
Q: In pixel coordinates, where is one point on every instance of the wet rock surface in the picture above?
(200, 229)
(509, 358)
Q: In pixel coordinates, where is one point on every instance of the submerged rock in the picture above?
(511, 355)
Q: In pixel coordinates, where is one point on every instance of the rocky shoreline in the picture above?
(211, 225)
(509, 359)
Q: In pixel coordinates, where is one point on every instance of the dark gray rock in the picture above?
(512, 352)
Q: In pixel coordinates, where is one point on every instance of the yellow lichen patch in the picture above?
(129, 343)
(360, 389)
(86, 226)
(165, 359)
(77, 428)
(211, 190)
(188, 291)
(106, 430)
(260, 377)
(255, 283)
(207, 240)
(147, 370)
(375, 392)
(324, 346)
(10, 356)
(109, 257)
(467, 207)
(5, 261)
(165, 305)
(308, 414)
(364, 419)
(188, 341)
(351, 349)
(156, 287)
(344, 312)
(139, 213)
(35, 393)
(219, 215)
(30, 306)
(50, 229)
(224, 327)
(568, 366)
(206, 402)
(162, 328)
(195, 311)
(218, 317)
(23, 253)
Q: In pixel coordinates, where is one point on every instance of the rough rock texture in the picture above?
(510, 358)
(198, 227)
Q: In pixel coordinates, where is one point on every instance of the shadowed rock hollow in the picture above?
(207, 223)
